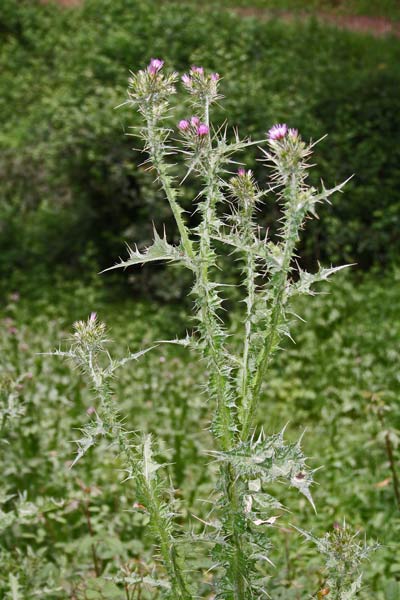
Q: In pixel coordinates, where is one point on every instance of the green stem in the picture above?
(235, 534)
(250, 270)
(264, 358)
(152, 502)
(157, 157)
(211, 326)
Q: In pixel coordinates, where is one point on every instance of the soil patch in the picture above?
(377, 26)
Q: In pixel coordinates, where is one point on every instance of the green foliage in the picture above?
(70, 175)
(348, 349)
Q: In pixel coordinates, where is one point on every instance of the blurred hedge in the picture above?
(72, 189)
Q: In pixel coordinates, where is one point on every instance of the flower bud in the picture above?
(183, 125)
(197, 70)
(187, 80)
(203, 129)
(277, 132)
(155, 66)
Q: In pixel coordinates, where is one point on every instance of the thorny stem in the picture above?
(265, 355)
(235, 536)
(157, 156)
(207, 317)
(201, 272)
(224, 414)
(151, 500)
(214, 347)
(250, 274)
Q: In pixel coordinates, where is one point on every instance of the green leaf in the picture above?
(159, 250)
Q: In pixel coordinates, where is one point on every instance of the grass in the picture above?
(63, 529)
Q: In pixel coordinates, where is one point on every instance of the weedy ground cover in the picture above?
(347, 351)
(177, 541)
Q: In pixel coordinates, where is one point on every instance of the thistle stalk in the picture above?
(263, 360)
(157, 156)
(89, 344)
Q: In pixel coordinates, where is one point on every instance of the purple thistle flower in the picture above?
(93, 317)
(187, 80)
(241, 172)
(183, 125)
(198, 70)
(155, 65)
(293, 133)
(215, 76)
(203, 129)
(195, 121)
(277, 132)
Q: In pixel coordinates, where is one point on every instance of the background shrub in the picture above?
(69, 169)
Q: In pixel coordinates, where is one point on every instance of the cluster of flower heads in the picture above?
(196, 75)
(201, 84)
(280, 131)
(193, 126)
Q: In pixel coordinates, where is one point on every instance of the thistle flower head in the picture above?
(244, 189)
(203, 129)
(288, 155)
(149, 88)
(277, 132)
(155, 66)
(195, 121)
(90, 335)
(187, 80)
(201, 85)
(183, 125)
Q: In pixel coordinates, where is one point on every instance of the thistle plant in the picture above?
(251, 463)
(344, 552)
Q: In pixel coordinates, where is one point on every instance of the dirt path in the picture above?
(376, 26)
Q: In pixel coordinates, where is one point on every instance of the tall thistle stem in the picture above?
(292, 226)
(89, 344)
(156, 150)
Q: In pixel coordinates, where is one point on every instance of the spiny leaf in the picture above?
(159, 250)
(307, 280)
(271, 459)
